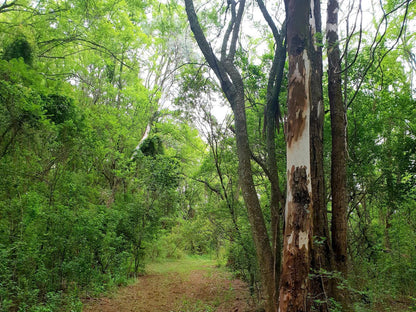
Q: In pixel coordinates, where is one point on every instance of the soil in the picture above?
(205, 289)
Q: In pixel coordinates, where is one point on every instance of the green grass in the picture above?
(185, 265)
(198, 306)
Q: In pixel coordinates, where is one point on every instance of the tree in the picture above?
(72, 111)
(233, 87)
(339, 141)
(271, 123)
(338, 109)
(305, 213)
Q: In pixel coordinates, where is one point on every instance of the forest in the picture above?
(276, 137)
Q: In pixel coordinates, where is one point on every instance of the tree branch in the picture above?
(236, 29)
(5, 5)
(228, 32)
(206, 49)
(213, 189)
(377, 43)
(269, 20)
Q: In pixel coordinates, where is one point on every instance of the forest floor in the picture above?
(198, 285)
(188, 285)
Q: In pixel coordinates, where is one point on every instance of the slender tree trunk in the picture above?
(298, 235)
(322, 256)
(255, 214)
(271, 122)
(230, 202)
(233, 87)
(339, 142)
(276, 194)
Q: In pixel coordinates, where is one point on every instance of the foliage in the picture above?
(382, 181)
(19, 48)
(86, 201)
(77, 212)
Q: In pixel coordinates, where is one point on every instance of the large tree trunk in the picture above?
(298, 234)
(339, 142)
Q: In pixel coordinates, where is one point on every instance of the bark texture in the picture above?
(294, 283)
(339, 142)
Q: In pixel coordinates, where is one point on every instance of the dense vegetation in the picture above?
(111, 155)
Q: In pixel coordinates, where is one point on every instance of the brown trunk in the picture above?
(276, 195)
(321, 286)
(339, 143)
(271, 122)
(255, 215)
(294, 282)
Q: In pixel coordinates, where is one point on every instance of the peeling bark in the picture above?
(294, 283)
(306, 214)
(297, 242)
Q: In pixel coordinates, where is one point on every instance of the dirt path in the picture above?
(180, 286)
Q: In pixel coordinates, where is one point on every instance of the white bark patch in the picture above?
(307, 65)
(303, 240)
(298, 153)
(296, 77)
(331, 27)
(290, 240)
(336, 11)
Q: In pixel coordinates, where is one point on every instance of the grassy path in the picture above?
(188, 285)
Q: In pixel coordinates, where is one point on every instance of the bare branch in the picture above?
(56, 42)
(359, 12)
(228, 32)
(377, 43)
(236, 30)
(5, 5)
(269, 20)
